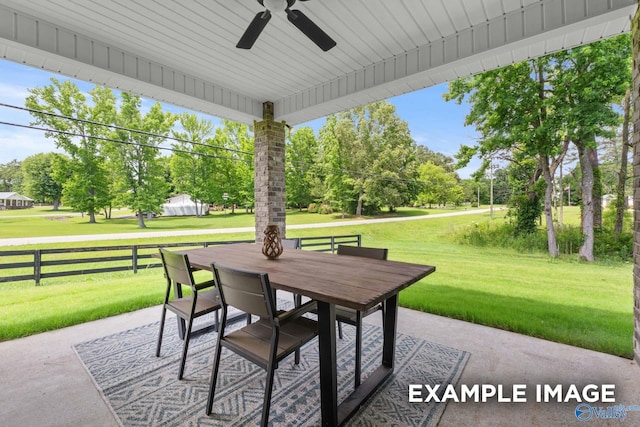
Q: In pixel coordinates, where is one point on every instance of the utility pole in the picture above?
(491, 188)
(561, 196)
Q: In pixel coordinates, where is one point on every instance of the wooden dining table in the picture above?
(348, 281)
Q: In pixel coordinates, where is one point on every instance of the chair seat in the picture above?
(255, 339)
(349, 315)
(207, 302)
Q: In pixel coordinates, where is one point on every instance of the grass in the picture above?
(45, 222)
(581, 304)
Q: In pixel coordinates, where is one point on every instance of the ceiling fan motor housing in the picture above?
(296, 17)
(277, 5)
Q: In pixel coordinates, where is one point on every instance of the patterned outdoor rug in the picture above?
(143, 390)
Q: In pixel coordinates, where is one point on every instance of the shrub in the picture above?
(611, 245)
(325, 209)
(569, 238)
(607, 245)
(312, 208)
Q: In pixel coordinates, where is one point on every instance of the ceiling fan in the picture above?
(296, 17)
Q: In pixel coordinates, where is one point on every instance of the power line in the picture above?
(116, 127)
(100, 138)
(177, 150)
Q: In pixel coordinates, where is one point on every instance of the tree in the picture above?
(335, 136)
(438, 185)
(73, 125)
(193, 165)
(136, 155)
(526, 197)
(424, 154)
(512, 108)
(394, 167)
(370, 157)
(234, 173)
(588, 81)
(38, 178)
(621, 199)
(11, 176)
(534, 109)
(301, 162)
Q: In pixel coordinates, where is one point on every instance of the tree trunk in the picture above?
(56, 204)
(92, 214)
(597, 187)
(586, 250)
(548, 213)
(359, 206)
(621, 197)
(141, 223)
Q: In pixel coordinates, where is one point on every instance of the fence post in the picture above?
(134, 258)
(36, 266)
(359, 239)
(333, 243)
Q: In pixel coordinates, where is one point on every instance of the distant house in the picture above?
(182, 205)
(607, 199)
(14, 201)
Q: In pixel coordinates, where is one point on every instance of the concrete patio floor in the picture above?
(45, 384)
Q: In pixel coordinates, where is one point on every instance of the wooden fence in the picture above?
(47, 263)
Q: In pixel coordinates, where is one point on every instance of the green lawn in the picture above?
(45, 222)
(587, 305)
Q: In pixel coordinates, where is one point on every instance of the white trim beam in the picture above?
(513, 37)
(536, 28)
(32, 41)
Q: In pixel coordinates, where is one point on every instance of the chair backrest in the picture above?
(375, 253)
(245, 290)
(177, 267)
(291, 243)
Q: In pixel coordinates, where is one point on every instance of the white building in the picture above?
(182, 205)
(9, 200)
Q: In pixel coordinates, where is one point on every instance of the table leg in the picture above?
(328, 372)
(390, 326)
(377, 378)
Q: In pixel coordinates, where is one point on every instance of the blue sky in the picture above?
(437, 124)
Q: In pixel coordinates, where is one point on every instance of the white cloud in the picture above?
(22, 143)
(13, 94)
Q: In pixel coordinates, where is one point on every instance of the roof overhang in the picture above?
(184, 52)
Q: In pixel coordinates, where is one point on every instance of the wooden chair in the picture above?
(293, 244)
(354, 317)
(204, 299)
(275, 336)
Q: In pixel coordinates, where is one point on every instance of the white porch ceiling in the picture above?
(183, 52)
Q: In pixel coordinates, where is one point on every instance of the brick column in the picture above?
(635, 28)
(269, 172)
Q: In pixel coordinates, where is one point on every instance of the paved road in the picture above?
(141, 235)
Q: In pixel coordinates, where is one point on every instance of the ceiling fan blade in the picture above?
(310, 29)
(254, 29)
